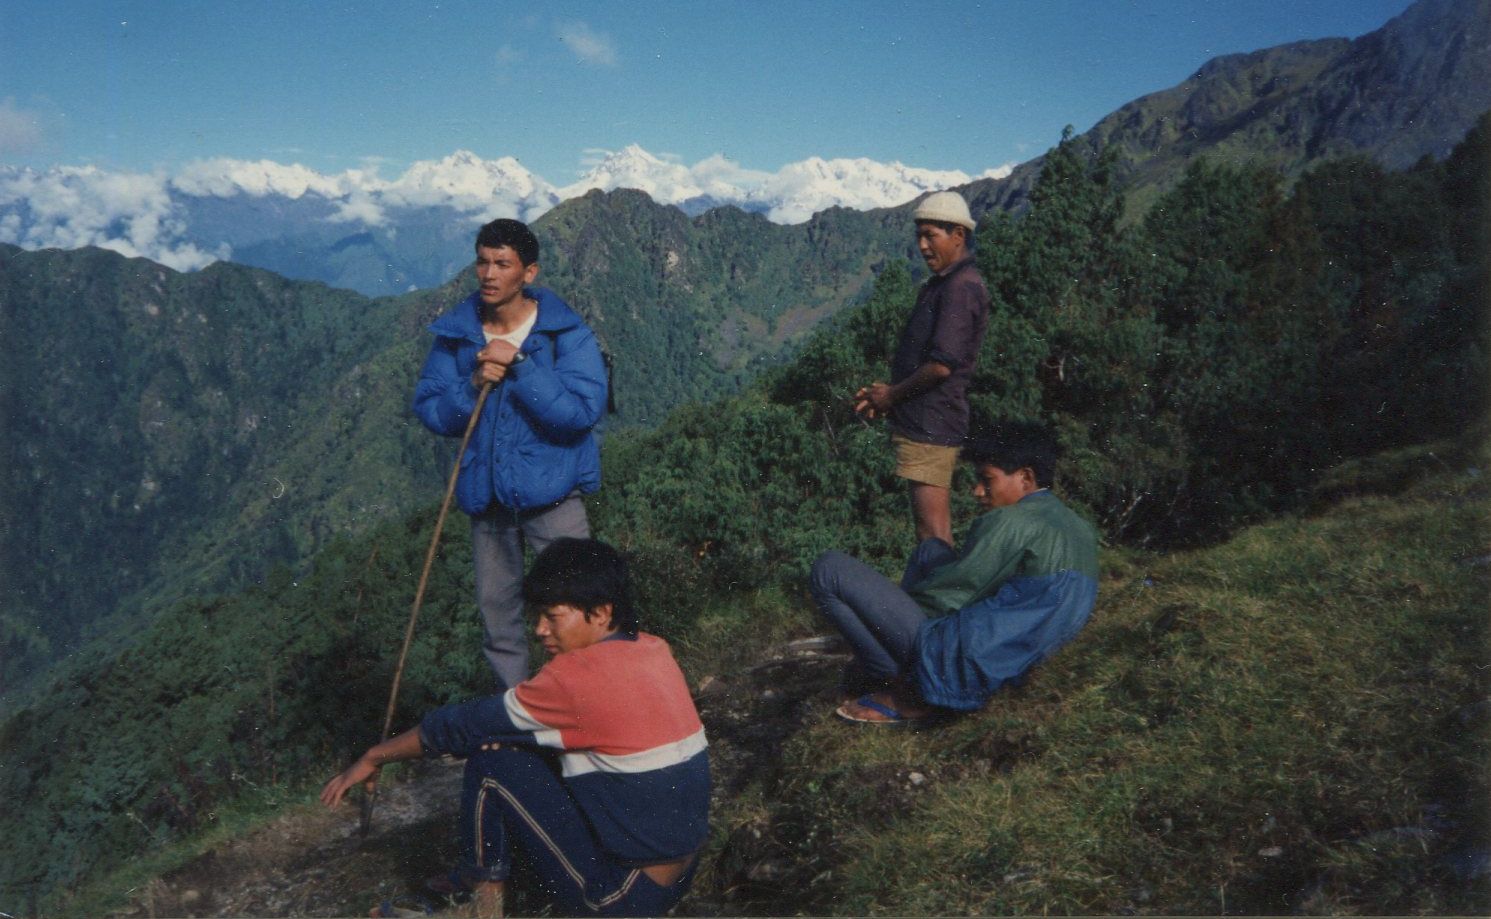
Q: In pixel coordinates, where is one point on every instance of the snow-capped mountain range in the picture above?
(216, 209)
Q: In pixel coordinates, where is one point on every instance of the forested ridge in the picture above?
(1203, 363)
(167, 433)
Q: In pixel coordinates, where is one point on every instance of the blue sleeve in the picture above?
(538, 711)
(463, 727)
(444, 397)
(568, 398)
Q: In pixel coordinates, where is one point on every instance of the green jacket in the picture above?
(1023, 584)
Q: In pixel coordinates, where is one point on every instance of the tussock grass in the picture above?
(740, 629)
(1292, 721)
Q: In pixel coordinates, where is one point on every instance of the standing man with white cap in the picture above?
(926, 400)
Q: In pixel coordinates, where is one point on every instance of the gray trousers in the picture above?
(497, 540)
(876, 616)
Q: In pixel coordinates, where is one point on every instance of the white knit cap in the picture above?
(944, 207)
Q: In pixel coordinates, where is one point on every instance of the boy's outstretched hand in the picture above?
(361, 772)
(365, 771)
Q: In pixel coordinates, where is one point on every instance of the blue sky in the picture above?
(967, 86)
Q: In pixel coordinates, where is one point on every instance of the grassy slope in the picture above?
(1293, 720)
(1290, 721)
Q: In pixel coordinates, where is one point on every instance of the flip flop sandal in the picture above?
(893, 718)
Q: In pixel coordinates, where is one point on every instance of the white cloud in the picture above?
(633, 167)
(359, 207)
(664, 178)
(20, 130)
(222, 178)
(466, 182)
(590, 46)
(792, 194)
(463, 181)
(799, 190)
(143, 214)
(718, 171)
(70, 207)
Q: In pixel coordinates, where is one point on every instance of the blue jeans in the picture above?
(877, 617)
(514, 795)
(497, 539)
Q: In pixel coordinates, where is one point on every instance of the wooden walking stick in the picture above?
(371, 794)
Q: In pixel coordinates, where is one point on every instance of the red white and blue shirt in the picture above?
(633, 752)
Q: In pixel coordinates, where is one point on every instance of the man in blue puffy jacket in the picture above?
(533, 452)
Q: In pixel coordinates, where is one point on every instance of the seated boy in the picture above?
(596, 768)
(964, 623)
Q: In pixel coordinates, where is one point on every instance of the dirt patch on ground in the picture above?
(315, 862)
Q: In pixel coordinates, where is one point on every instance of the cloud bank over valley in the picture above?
(160, 216)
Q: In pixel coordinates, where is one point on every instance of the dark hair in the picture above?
(1012, 446)
(508, 232)
(584, 573)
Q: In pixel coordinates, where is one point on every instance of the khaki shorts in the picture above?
(929, 464)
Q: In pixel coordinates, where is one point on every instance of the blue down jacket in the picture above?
(534, 443)
(1023, 586)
